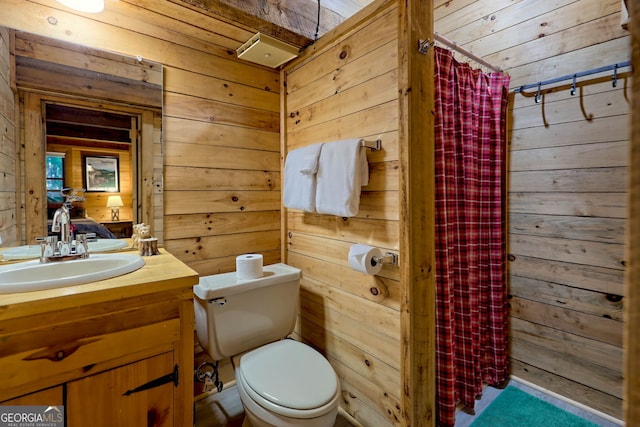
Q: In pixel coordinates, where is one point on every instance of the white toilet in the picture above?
(282, 382)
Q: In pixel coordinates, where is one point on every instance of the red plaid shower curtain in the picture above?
(471, 296)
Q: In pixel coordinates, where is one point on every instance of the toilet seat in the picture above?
(289, 378)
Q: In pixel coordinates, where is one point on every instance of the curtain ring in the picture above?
(538, 96)
(573, 86)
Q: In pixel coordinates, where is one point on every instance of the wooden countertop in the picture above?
(160, 273)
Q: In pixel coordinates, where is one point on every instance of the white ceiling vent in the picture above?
(266, 50)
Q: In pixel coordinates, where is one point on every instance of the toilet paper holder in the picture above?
(387, 258)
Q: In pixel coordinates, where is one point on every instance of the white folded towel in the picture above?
(300, 169)
(342, 170)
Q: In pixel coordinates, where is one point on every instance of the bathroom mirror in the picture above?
(92, 120)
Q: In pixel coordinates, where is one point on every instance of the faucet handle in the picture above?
(47, 239)
(87, 237)
(82, 247)
(48, 247)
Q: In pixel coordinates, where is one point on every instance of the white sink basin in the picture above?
(33, 251)
(33, 276)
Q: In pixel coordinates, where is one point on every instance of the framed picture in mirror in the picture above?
(101, 173)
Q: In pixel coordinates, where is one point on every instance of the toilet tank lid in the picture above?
(225, 284)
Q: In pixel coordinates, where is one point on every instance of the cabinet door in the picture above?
(110, 399)
(49, 397)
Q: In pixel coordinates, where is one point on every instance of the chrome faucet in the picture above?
(62, 222)
(65, 248)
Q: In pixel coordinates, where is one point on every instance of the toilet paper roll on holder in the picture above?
(387, 258)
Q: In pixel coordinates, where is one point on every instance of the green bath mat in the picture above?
(513, 407)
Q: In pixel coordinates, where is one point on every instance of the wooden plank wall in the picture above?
(632, 283)
(9, 163)
(567, 187)
(417, 220)
(221, 122)
(348, 88)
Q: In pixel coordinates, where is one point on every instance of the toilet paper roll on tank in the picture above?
(363, 258)
(249, 266)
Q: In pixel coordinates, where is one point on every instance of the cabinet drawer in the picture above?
(36, 369)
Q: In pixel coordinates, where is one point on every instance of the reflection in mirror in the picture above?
(91, 149)
(93, 121)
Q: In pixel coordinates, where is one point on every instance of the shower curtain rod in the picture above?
(453, 45)
(573, 77)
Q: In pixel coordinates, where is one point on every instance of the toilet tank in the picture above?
(234, 316)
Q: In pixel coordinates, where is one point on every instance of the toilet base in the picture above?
(250, 420)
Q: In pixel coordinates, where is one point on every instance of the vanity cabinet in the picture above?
(53, 395)
(118, 352)
(114, 401)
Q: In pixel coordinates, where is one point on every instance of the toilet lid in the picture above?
(291, 374)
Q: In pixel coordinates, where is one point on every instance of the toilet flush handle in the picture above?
(220, 301)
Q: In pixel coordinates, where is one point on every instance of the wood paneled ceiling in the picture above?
(293, 21)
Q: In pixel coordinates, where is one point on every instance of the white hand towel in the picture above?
(300, 169)
(342, 170)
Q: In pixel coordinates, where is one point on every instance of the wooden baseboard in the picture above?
(344, 414)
